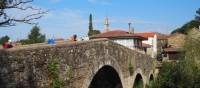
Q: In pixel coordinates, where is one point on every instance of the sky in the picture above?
(68, 17)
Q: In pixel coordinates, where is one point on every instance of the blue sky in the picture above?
(68, 17)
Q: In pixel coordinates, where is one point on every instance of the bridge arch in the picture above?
(138, 82)
(151, 77)
(104, 62)
(106, 77)
(138, 79)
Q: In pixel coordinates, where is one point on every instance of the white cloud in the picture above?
(61, 23)
(64, 23)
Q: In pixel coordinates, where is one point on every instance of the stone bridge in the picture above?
(89, 64)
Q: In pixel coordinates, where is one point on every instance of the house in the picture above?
(172, 54)
(176, 43)
(155, 42)
(127, 39)
(174, 51)
(124, 38)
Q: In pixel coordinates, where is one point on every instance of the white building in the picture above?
(124, 38)
(155, 43)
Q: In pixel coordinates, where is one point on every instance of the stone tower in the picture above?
(106, 25)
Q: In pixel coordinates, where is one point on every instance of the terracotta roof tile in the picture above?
(147, 34)
(115, 33)
(151, 34)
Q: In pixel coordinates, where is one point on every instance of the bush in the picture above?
(53, 73)
(185, 73)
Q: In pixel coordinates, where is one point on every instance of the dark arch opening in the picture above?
(151, 78)
(106, 77)
(138, 82)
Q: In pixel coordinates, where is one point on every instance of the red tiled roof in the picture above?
(151, 34)
(147, 34)
(146, 45)
(115, 33)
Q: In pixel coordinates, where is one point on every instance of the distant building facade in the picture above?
(175, 50)
(124, 38)
(155, 42)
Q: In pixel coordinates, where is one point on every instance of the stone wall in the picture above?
(27, 67)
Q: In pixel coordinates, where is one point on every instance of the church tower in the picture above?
(106, 25)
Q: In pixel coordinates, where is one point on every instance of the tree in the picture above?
(90, 25)
(96, 32)
(34, 37)
(197, 17)
(187, 27)
(8, 9)
(91, 31)
(4, 39)
(185, 73)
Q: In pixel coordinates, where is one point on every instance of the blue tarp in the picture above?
(51, 41)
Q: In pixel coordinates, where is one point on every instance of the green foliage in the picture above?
(24, 41)
(90, 26)
(187, 27)
(53, 68)
(91, 31)
(197, 17)
(34, 37)
(57, 83)
(170, 76)
(94, 32)
(53, 73)
(4, 39)
(90, 22)
(181, 74)
(69, 72)
(185, 73)
(130, 68)
(139, 84)
(191, 46)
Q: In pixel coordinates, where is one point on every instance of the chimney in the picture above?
(129, 28)
(133, 30)
(106, 25)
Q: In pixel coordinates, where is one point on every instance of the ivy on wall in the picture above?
(53, 73)
(130, 68)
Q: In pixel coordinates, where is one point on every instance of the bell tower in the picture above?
(106, 25)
